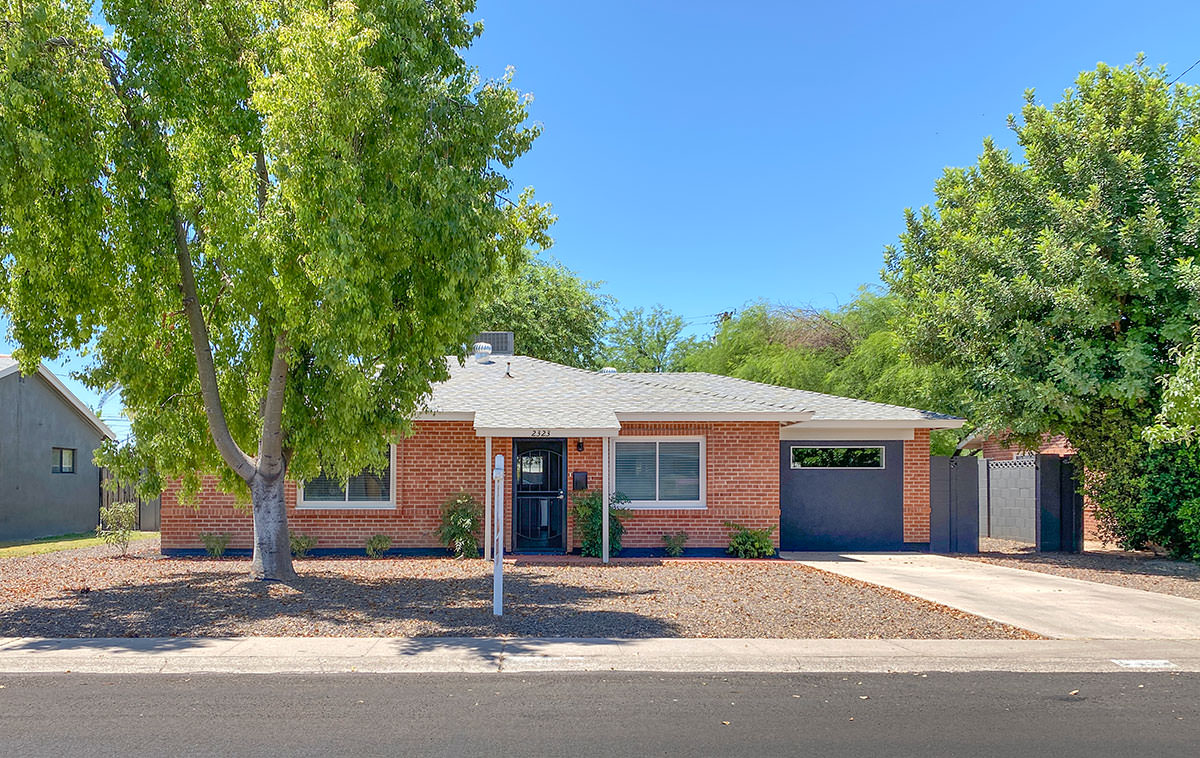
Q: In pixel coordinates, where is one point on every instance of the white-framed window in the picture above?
(861, 457)
(367, 490)
(659, 472)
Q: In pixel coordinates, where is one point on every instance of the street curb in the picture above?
(326, 655)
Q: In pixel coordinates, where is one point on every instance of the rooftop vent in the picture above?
(608, 370)
(501, 342)
(483, 352)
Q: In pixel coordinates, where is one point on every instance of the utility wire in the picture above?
(1189, 68)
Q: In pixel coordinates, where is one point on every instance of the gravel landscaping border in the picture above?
(1135, 569)
(91, 593)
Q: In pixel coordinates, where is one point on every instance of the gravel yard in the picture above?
(90, 593)
(1139, 570)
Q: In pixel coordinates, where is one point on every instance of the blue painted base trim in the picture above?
(327, 552)
(658, 552)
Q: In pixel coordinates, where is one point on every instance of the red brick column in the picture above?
(916, 487)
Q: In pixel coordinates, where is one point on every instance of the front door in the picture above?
(539, 496)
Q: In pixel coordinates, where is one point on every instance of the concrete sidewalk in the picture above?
(271, 655)
(1052, 606)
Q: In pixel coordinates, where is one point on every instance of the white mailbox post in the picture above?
(497, 538)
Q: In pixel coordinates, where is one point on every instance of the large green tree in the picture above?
(648, 341)
(266, 222)
(555, 315)
(1059, 282)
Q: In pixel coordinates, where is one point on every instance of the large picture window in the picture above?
(369, 489)
(837, 457)
(660, 473)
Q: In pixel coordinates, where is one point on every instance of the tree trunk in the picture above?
(272, 549)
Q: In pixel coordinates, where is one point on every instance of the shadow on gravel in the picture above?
(226, 604)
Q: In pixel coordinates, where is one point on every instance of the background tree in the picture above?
(1060, 285)
(555, 315)
(652, 341)
(265, 222)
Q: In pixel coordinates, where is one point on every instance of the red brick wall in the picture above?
(916, 487)
(430, 468)
(742, 484)
(444, 458)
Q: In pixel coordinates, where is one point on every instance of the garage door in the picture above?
(845, 495)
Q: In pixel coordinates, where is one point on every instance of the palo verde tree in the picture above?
(266, 222)
(1061, 286)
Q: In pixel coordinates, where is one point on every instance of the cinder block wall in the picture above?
(1012, 502)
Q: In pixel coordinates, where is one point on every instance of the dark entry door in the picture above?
(540, 496)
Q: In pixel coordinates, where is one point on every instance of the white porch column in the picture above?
(487, 498)
(605, 493)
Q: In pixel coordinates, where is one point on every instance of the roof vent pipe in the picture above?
(483, 352)
(608, 370)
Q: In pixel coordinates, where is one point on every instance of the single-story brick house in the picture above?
(691, 451)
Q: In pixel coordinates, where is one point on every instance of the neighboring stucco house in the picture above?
(690, 450)
(48, 483)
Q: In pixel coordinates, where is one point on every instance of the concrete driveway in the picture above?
(1052, 606)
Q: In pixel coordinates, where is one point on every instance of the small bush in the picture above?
(301, 543)
(589, 522)
(674, 543)
(116, 525)
(378, 545)
(750, 543)
(214, 544)
(461, 519)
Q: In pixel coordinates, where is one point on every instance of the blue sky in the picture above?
(703, 155)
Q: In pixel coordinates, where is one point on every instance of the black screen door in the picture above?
(539, 496)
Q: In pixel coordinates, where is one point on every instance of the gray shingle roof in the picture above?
(519, 392)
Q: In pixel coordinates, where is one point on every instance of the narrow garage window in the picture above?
(837, 457)
(62, 460)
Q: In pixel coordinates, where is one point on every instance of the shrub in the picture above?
(116, 525)
(589, 521)
(674, 543)
(214, 544)
(301, 543)
(461, 519)
(378, 545)
(750, 543)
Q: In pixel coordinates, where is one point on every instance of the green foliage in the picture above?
(1161, 505)
(556, 315)
(334, 175)
(377, 545)
(647, 341)
(301, 544)
(589, 524)
(1061, 287)
(214, 544)
(462, 519)
(117, 522)
(850, 351)
(750, 543)
(673, 543)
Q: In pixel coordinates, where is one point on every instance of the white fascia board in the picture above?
(540, 432)
(445, 416)
(804, 432)
(75, 402)
(783, 417)
(952, 423)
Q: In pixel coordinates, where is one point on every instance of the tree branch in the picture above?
(233, 456)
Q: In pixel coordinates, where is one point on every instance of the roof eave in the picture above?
(948, 423)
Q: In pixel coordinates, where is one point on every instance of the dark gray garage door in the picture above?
(842, 508)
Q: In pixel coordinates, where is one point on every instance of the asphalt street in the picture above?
(586, 714)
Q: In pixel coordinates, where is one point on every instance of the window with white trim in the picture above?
(660, 472)
(368, 489)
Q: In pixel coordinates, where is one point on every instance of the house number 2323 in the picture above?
(539, 433)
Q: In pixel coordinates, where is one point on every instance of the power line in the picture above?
(1189, 68)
